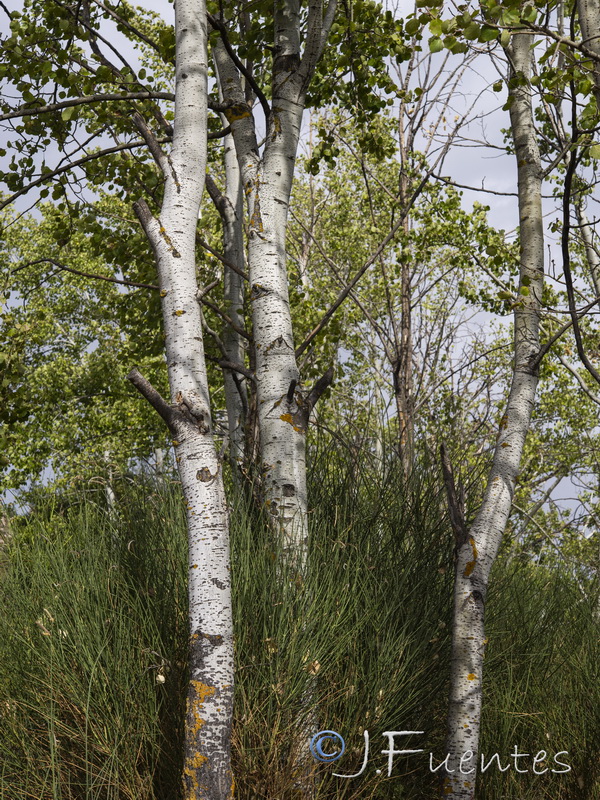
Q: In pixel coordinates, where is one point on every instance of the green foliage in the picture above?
(51, 58)
(69, 340)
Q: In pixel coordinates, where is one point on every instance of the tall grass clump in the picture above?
(363, 632)
(93, 652)
(542, 683)
(93, 643)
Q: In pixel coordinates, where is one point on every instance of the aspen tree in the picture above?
(477, 547)
(283, 407)
(172, 235)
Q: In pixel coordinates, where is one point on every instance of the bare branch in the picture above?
(221, 258)
(155, 149)
(456, 500)
(129, 26)
(145, 388)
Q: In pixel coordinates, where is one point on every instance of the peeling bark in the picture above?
(477, 550)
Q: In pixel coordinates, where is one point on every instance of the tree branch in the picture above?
(219, 26)
(48, 176)
(221, 258)
(320, 386)
(145, 388)
(456, 500)
(148, 136)
(129, 26)
(106, 278)
(27, 110)
(346, 291)
(565, 246)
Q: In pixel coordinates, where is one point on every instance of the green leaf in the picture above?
(488, 34)
(595, 151)
(471, 31)
(67, 113)
(436, 44)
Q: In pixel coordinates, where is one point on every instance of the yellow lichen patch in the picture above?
(471, 676)
(471, 564)
(202, 691)
(447, 785)
(163, 293)
(196, 761)
(238, 111)
(276, 126)
(190, 771)
(179, 312)
(256, 220)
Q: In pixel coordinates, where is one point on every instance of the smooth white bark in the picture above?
(267, 181)
(477, 550)
(207, 772)
(588, 12)
(230, 206)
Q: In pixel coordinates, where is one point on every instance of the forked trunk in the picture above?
(283, 406)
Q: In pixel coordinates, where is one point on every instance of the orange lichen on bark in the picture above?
(195, 760)
(289, 418)
(202, 691)
(471, 564)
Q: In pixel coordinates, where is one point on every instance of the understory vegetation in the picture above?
(93, 645)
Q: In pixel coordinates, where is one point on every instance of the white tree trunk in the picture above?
(477, 549)
(588, 12)
(267, 178)
(207, 771)
(235, 387)
(230, 206)
(591, 254)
